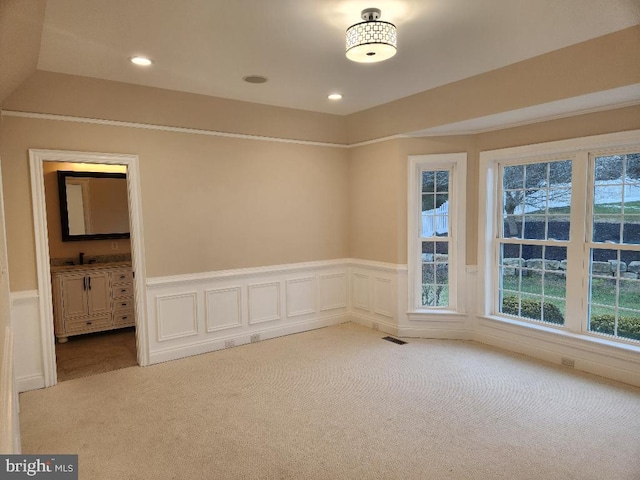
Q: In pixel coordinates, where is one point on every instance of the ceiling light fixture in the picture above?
(372, 40)
(142, 61)
(335, 96)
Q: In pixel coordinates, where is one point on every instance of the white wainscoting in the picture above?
(374, 294)
(379, 300)
(25, 323)
(192, 314)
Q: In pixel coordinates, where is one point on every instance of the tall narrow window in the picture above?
(436, 231)
(435, 238)
(614, 260)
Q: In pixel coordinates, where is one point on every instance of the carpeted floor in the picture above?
(341, 403)
(94, 353)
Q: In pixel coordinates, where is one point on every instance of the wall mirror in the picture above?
(93, 205)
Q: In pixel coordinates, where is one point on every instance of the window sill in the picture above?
(584, 341)
(433, 315)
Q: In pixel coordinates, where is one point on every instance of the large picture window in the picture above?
(436, 231)
(560, 239)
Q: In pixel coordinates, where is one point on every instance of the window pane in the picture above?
(616, 199)
(608, 169)
(545, 201)
(533, 282)
(560, 173)
(442, 182)
(631, 229)
(428, 182)
(428, 202)
(513, 177)
(614, 293)
(435, 274)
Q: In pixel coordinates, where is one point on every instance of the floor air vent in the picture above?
(394, 340)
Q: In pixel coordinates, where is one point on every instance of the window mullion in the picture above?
(577, 266)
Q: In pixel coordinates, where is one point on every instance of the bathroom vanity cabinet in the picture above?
(92, 298)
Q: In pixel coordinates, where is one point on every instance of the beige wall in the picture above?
(378, 200)
(209, 203)
(603, 63)
(57, 93)
(20, 31)
(378, 178)
(58, 248)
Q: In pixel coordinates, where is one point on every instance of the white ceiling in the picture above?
(207, 46)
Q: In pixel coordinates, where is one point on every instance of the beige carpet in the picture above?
(340, 403)
(94, 353)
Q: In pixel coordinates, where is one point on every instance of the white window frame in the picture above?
(456, 163)
(578, 150)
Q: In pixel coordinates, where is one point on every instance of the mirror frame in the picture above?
(64, 212)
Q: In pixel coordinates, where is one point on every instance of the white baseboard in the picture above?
(589, 355)
(30, 382)
(242, 338)
(374, 323)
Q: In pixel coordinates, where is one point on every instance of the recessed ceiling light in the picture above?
(142, 61)
(255, 79)
(335, 96)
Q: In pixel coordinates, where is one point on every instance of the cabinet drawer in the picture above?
(124, 318)
(120, 304)
(122, 290)
(90, 324)
(122, 276)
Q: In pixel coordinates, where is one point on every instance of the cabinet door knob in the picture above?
(123, 304)
(122, 277)
(89, 323)
(124, 318)
(123, 290)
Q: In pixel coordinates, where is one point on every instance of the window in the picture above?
(436, 232)
(560, 236)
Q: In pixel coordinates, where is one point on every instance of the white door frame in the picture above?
(36, 159)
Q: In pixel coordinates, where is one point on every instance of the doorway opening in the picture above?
(90, 262)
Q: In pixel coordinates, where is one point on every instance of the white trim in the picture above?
(254, 287)
(207, 299)
(473, 126)
(398, 136)
(324, 308)
(36, 159)
(154, 282)
(194, 319)
(457, 164)
(242, 338)
(290, 313)
(165, 128)
(372, 265)
(557, 148)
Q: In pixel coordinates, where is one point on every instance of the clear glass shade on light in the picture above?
(371, 41)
